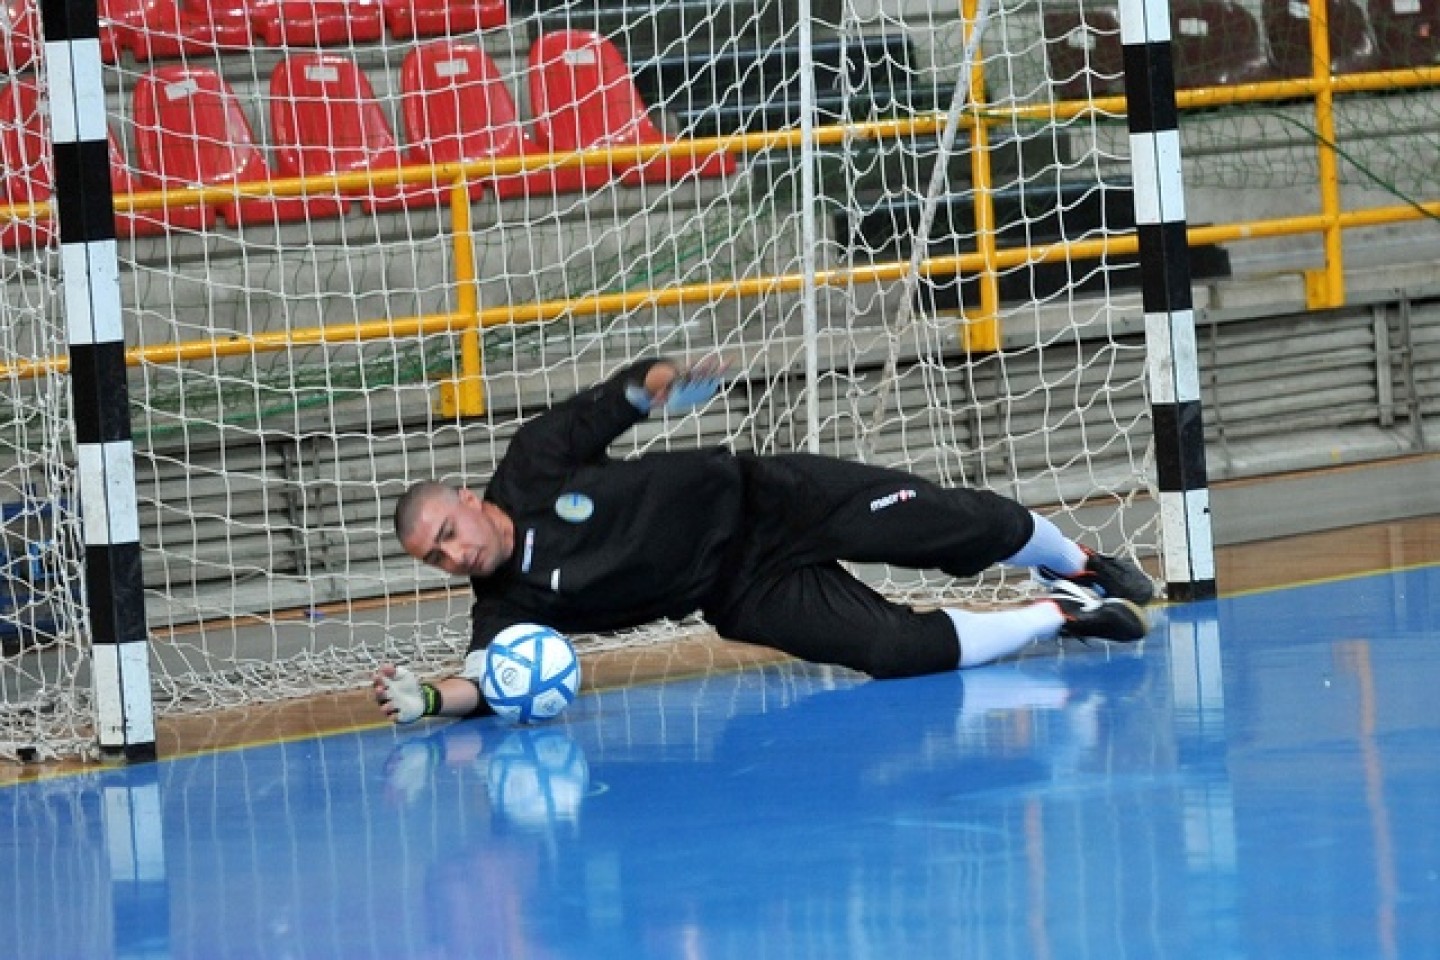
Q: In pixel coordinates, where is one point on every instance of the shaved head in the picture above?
(453, 529)
(408, 507)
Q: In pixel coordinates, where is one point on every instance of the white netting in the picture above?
(318, 356)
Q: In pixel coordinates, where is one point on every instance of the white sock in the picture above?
(989, 636)
(1048, 547)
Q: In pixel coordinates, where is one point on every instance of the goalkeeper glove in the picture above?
(409, 698)
(690, 389)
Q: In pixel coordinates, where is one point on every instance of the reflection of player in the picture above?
(480, 900)
(411, 768)
(566, 537)
(535, 778)
(784, 787)
(854, 796)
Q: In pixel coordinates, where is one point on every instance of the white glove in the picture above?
(402, 693)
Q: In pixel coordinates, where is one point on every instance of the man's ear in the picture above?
(467, 497)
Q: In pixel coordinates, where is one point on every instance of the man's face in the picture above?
(461, 534)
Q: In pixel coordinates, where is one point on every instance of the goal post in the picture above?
(336, 277)
(1177, 420)
(113, 620)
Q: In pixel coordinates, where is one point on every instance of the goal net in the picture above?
(302, 350)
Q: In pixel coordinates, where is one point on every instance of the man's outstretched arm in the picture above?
(404, 698)
(580, 429)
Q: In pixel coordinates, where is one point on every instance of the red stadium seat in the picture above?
(114, 28)
(440, 18)
(164, 28)
(1287, 25)
(325, 119)
(1217, 43)
(1084, 52)
(28, 177)
(25, 164)
(190, 131)
(1407, 32)
(582, 95)
(456, 108)
(149, 223)
(19, 35)
(284, 23)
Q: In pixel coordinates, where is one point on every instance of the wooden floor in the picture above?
(1250, 567)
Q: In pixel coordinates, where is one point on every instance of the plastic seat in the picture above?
(439, 18)
(191, 131)
(1287, 25)
(1407, 32)
(1217, 43)
(1084, 52)
(582, 95)
(114, 28)
(316, 23)
(456, 107)
(130, 224)
(151, 29)
(325, 120)
(19, 35)
(25, 164)
(29, 177)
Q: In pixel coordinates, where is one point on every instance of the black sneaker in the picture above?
(1113, 577)
(1089, 616)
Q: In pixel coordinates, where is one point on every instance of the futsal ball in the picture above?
(531, 673)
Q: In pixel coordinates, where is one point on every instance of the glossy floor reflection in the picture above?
(1257, 780)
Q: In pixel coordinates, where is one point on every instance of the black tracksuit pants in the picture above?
(804, 514)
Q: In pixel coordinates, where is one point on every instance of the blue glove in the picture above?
(638, 396)
(692, 390)
(689, 390)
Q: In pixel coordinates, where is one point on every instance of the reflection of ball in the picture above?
(531, 673)
(538, 778)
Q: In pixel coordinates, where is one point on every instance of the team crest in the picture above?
(574, 507)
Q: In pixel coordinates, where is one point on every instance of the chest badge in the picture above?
(574, 507)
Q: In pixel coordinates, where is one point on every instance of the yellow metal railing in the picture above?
(981, 333)
(464, 395)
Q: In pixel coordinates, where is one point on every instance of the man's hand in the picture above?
(398, 692)
(695, 386)
(678, 390)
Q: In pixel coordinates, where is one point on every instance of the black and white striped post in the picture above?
(90, 279)
(1187, 547)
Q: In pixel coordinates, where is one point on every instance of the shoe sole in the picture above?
(1141, 615)
(1134, 608)
(1047, 577)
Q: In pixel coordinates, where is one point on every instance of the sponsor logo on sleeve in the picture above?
(890, 499)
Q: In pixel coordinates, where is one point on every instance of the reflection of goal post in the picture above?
(293, 367)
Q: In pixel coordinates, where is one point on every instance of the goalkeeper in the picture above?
(566, 537)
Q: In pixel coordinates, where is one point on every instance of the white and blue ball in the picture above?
(530, 673)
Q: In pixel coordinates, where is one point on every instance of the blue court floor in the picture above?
(1259, 779)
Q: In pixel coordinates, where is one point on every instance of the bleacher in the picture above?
(570, 89)
(1217, 43)
(745, 89)
(1021, 218)
(324, 118)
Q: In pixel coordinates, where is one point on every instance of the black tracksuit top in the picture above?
(605, 544)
